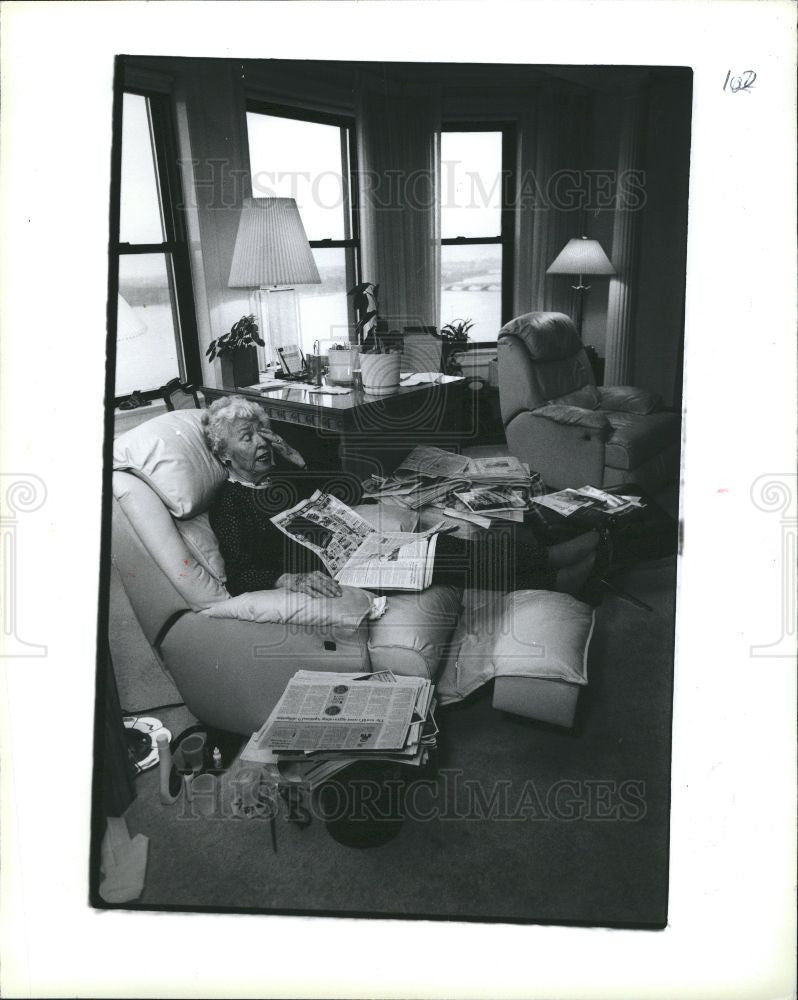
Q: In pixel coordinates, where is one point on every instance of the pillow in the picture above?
(561, 414)
(287, 607)
(587, 397)
(528, 633)
(629, 399)
(169, 453)
(199, 536)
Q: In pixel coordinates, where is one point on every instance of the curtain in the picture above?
(398, 131)
(554, 132)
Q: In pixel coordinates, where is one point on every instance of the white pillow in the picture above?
(170, 454)
(287, 607)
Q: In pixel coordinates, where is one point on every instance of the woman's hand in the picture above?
(283, 448)
(316, 584)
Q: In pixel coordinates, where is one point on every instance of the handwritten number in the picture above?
(744, 82)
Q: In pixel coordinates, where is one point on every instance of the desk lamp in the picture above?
(272, 254)
(581, 256)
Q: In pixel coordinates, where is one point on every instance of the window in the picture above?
(476, 228)
(156, 336)
(310, 157)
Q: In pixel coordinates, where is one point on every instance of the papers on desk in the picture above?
(329, 390)
(421, 378)
(266, 384)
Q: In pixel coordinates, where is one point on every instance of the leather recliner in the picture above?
(231, 671)
(569, 430)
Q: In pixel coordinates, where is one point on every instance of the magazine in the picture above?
(354, 552)
(484, 500)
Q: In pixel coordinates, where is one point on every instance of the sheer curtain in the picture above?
(553, 134)
(399, 172)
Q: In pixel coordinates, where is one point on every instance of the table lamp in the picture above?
(581, 256)
(272, 254)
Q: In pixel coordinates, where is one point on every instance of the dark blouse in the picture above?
(255, 552)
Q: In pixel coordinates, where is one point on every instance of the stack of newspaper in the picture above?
(471, 489)
(326, 721)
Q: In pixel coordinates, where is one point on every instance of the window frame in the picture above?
(505, 239)
(174, 247)
(349, 171)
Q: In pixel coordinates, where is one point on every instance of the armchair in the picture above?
(231, 659)
(568, 429)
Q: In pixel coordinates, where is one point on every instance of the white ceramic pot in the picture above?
(380, 373)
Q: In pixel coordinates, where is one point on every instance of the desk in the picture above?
(358, 433)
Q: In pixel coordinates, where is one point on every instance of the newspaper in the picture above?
(342, 714)
(354, 552)
(434, 462)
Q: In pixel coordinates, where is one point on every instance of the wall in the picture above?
(659, 293)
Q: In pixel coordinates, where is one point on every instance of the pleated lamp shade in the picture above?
(271, 246)
(581, 256)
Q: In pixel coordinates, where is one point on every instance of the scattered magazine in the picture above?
(433, 477)
(354, 552)
(486, 500)
(568, 502)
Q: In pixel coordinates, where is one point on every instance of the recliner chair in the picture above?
(231, 658)
(568, 429)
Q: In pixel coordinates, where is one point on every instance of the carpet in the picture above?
(517, 821)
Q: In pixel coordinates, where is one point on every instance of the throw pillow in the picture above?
(286, 607)
(629, 399)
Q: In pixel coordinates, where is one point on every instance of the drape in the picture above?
(554, 132)
(398, 133)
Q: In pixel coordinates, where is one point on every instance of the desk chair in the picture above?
(180, 396)
(423, 349)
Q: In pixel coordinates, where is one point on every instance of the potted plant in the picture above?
(237, 354)
(381, 361)
(454, 336)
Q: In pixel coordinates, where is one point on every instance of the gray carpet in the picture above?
(582, 834)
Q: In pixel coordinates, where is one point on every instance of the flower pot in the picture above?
(380, 373)
(341, 366)
(239, 368)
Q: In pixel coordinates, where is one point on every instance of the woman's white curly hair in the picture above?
(217, 420)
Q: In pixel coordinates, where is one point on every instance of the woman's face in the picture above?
(249, 449)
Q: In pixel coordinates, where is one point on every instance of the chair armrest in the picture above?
(561, 413)
(629, 399)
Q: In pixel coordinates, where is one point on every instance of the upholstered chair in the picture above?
(571, 431)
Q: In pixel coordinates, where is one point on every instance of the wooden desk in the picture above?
(358, 433)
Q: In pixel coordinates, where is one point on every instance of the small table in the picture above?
(357, 432)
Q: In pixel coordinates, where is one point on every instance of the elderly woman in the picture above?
(266, 475)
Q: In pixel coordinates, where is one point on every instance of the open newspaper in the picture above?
(354, 552)
(330, 712)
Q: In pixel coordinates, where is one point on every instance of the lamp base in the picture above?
(279, 320)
